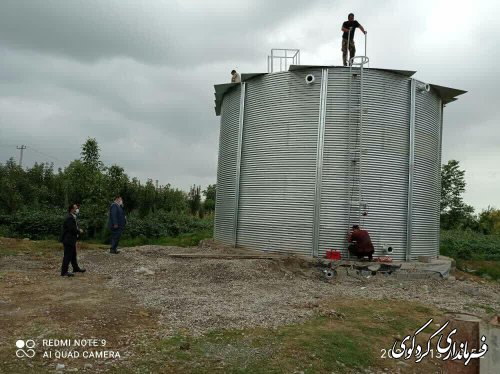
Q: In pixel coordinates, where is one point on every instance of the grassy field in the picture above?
(38, 248)
(11, 246)
(349, 340)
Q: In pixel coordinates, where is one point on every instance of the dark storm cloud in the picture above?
(155, 95)
(139, 75)
(161, 32)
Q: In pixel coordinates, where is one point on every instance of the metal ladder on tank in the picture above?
(356, 207)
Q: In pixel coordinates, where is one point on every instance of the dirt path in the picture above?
(36, 303)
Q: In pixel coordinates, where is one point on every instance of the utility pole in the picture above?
(21, 148)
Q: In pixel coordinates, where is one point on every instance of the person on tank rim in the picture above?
(361, 243)
(69, 236)
(349, 26)
(235, 77)
(117, 222)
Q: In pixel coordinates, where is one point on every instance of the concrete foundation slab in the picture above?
(437, 268)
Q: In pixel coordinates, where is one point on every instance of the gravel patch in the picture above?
(197, 295)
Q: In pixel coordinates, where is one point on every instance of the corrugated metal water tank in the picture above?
(283, 174)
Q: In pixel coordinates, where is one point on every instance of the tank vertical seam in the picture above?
(411, 170)
(441, 109)
(238, 163)
(319, 160)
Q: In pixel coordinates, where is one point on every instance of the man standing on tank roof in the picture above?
(349, 26)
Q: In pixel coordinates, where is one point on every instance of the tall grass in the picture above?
(470, 245)
(473, 252)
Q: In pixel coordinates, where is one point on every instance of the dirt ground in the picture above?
(202, 294)
(144, 292)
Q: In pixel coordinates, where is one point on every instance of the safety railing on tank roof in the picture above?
(280, 59)
(366, 60)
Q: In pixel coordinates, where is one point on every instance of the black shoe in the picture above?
(114, 252)
(80, 270)
(68, 275)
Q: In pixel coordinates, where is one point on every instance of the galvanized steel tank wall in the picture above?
(226, 171)
(282, 176)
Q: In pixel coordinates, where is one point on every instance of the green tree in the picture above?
(131, 194)
(12, 187)
(209, 193)
(88, 179)
(33, 200)
(116, 180)
(489, 221)
(90, 154)
(454, 212)
(148, 198)
(172, 199)
(194, 199)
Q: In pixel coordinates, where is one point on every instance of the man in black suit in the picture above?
(69, 236)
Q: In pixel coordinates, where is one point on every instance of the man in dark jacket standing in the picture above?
(69, 236)
(117, 223)
(361, 243)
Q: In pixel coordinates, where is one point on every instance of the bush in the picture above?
(165, 224)
(5, 231)
(469, 245)
(489, 221)
(45, 224)
(42, 224)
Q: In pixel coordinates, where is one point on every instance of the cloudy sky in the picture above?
(138, 75)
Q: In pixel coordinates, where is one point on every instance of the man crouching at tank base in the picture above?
(361, 243)
(69, 236)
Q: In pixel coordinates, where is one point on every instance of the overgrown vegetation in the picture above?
(469, 245)
(473, 240)
(474, 252)
(33, 201)
(455, 213)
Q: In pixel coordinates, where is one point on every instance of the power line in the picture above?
(29, 147)
(45, 154)
(7, 145)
